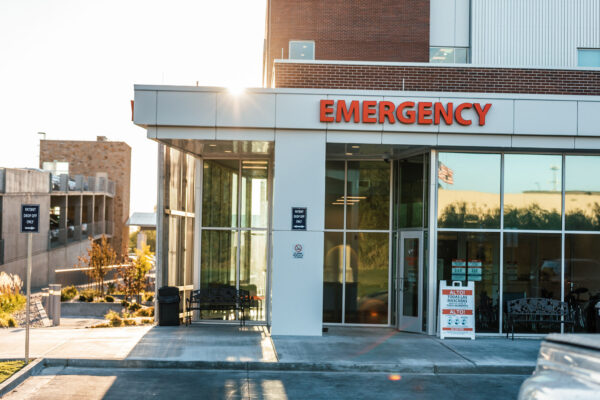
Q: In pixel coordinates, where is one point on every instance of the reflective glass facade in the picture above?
(523, 219)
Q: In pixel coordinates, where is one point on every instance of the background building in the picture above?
(72, 209)
(102, 159)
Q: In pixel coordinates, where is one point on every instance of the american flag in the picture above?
(445, 174)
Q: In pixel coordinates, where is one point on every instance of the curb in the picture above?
(291, 366)
(33, 368)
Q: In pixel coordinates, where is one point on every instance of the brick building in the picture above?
(396, 146)
(101, 158)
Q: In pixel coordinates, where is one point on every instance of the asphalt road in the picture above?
(99, 383)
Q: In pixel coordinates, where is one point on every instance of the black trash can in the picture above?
(168, 306)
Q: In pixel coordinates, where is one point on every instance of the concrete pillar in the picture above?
(297, 283)
(54, 304)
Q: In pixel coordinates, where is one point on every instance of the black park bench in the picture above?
(538, 310)
(218, 298)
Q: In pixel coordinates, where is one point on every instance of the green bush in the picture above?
(125, 303)
(129, 322)
(9, 303)
(87, 295)
(145, 312)
(114, 319)
(68, 293)
(148, 296)
(7, 320)
(109, 299)
(134, 307)
(111, 288)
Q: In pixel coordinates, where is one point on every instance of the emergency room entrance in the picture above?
(376, 222)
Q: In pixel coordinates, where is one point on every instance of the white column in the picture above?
(297, 283)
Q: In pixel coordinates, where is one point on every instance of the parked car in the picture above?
(568, 367)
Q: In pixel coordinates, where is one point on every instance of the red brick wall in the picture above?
(437, 79)
(87, 158)
(376, 30)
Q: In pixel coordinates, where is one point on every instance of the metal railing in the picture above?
(78, 183)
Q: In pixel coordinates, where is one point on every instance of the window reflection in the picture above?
(219, 193)
(532, 191)
(255, 206)
(253, 270)
(531, 270)
(582, 193)
(468, 190)
(334, 194)
(368, 203)
(582, 279)
(410, 184)
(474, 257)
(333, 269)
(218, 265)
(367, 278)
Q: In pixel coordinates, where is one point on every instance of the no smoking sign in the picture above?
(298, 251)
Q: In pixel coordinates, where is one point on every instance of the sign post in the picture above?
(30, 223)
(457, 310)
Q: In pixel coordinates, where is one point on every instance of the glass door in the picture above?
(409, 281)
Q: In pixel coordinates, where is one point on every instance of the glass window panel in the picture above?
(532, 191)
(220, 193)
(368, 202)
(333, 269)
(582, 193)
(302, 50)
(254, 197)
(218, 265)
(189, 252)
(588, 57)
(367, 278)
(189, 183)
(334, 194)
(410, 192)
(531, 269)
(468, 190)
(175, 250)
(253, 271)
(461, 55)
(441, 55)
(410, 277)
(470, 256)
(582, 279)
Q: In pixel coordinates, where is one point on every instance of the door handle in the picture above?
(401, 285)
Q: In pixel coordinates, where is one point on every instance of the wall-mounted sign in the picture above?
(30, 218)
(408, 112)
(298, 251)
(457, 310)
(298, 218)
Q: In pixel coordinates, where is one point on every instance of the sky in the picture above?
(67, 68)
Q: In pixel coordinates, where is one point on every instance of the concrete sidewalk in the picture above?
(219, 346)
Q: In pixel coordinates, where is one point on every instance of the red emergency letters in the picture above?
(408, 112)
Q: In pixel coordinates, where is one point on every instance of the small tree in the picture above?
(100, 256)
(133, 274)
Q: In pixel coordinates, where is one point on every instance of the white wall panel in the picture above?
(533, 117)
(449, 23)
(251, 110)
(297, 283)
(588, 114)
(533, 32)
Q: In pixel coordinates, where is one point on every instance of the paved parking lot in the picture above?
(99, 383)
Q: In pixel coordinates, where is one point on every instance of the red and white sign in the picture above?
(408, 112)
(457, 310)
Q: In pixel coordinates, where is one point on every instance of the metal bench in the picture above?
(220, 298)
(538, 310)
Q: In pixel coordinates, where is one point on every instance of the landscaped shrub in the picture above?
(125, 303)
(114, 319)
(148, 296)
(129, 322)
(87, 295)
(134, 307)
(109, 299)
(145, 312)
(11, 300)
(68, 293)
